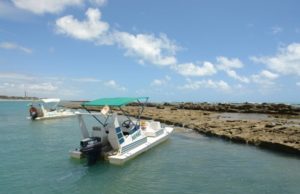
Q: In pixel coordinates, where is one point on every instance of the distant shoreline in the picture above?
(14, 100)
(17, 98)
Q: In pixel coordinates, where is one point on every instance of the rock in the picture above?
(279, 147)
(238, 139)
(281, 128)
(190, 126)
(267, 108)
(270, 125)
(230, 121)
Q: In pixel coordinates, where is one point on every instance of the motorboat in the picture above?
(47, 109)
(117, 138)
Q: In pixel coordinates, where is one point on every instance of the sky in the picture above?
(171, 50)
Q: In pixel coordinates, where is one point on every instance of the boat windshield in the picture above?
(49, 104)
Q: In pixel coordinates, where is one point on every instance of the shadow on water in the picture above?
(281, 153)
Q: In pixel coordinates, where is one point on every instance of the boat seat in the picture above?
(155, 125)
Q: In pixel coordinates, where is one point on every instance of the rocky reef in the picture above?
(275, 132)
(266, 108)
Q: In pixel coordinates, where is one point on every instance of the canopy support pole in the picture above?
(103, 124)
(141, 109)
(125, 114)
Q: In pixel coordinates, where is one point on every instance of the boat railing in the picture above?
(91, 113)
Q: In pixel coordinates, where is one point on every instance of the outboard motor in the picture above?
(91, 147)
(33, 112)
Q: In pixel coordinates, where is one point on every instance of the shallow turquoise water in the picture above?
(35, 159)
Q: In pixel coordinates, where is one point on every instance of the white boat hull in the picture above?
(54, 116)
(121, 158)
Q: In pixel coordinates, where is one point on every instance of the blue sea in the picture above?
(35, 159)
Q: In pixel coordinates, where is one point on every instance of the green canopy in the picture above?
(113, 101)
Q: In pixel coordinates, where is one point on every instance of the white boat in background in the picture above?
(114, 139)
(48, 109)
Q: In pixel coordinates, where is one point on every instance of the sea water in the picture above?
(35, 159)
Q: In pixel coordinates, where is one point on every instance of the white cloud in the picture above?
(224, 63)
(286, 61)
(14, 46)
(268, 75)
(195, 85)
(8, 88)
(14, 88)
(114, 85)
(86, 79)
(167, 78)
(148, 48)
(46, 6)
(239, 86)
(90, 29)
(98, 2)
(15, 84)
(233, 74)
(6, 85)
(190, 69)
(265, 78)
(15, 76)
(42, 87)
(227, 65)
(161, 82)
(157, 82)
(276, 30)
